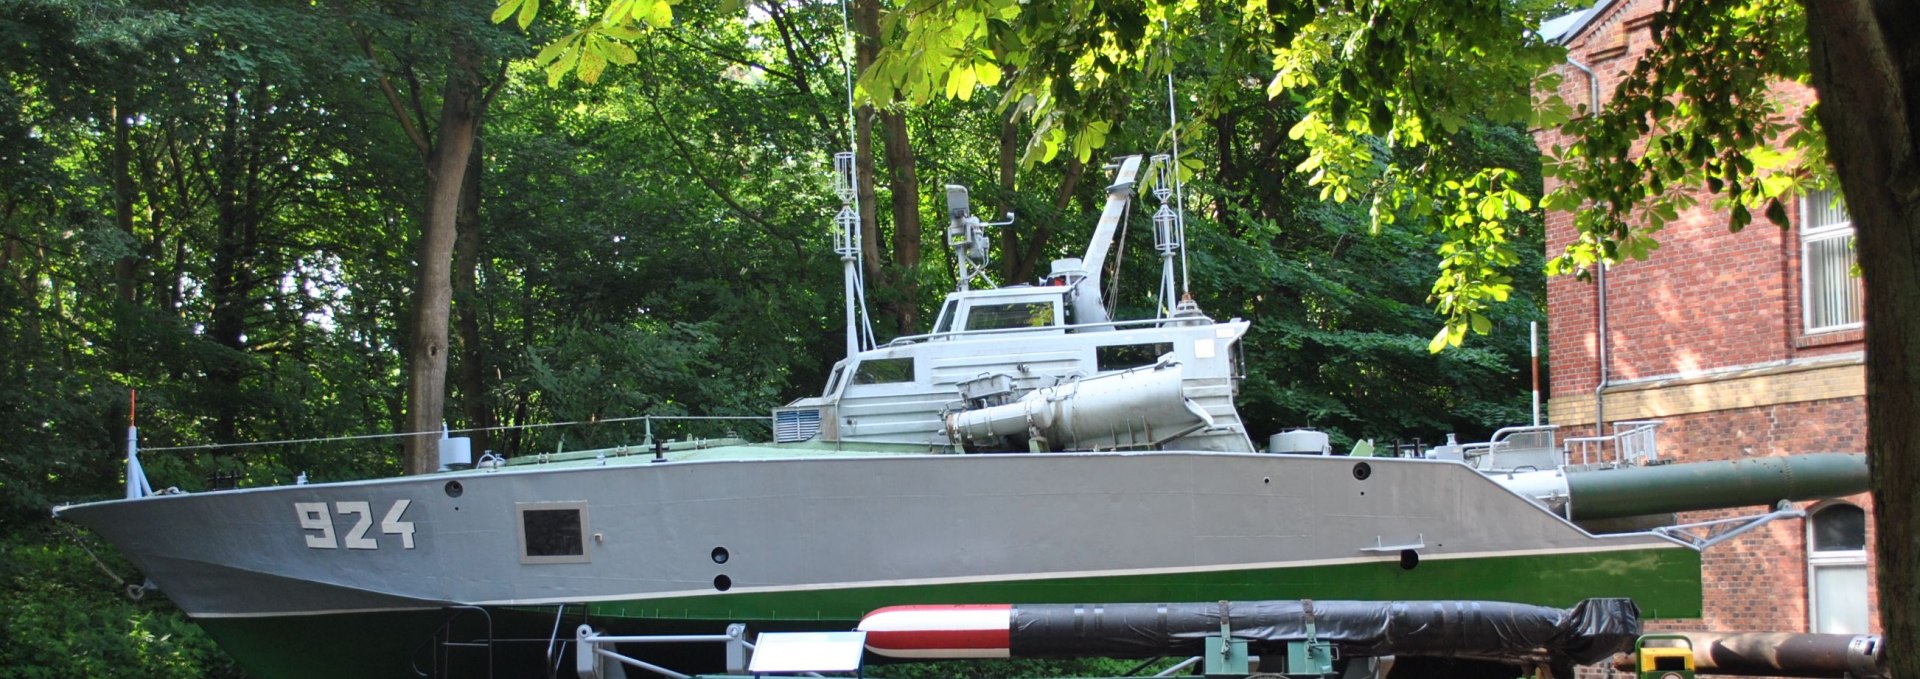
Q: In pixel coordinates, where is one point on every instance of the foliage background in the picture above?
(213, 202)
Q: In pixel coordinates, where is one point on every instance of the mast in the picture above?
(846, 184)
(846, 243)
(1166, 230)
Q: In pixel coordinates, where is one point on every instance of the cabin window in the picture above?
(1124, 356)
(833, 381)
(884, 371)
(1010, 315)
(1837, 569)
(553, 532)
(945, 323)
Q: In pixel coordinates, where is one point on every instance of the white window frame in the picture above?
(1817, 560)
(1809, 236)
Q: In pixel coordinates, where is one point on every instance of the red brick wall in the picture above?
(1706, 298)
(1758, 581)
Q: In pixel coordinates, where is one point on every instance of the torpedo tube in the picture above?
(1690, 486)
(1140, 407)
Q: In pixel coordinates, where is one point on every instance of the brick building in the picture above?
(1740, 345)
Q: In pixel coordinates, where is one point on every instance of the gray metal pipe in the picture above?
(1779, 654)
(1600, 282)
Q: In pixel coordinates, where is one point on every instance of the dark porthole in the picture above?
(722, 583)
(1362, 470)
(1409, 559)
(454, 489)
(720, 555)
(553, 533)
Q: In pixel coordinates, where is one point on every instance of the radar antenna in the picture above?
(967, 237)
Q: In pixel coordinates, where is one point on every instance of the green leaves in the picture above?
(587, 51)
(523, 12)
(1699, 111)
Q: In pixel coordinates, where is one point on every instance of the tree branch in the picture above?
(419, 140)
(686, 156)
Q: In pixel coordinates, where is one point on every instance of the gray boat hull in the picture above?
(820, 540)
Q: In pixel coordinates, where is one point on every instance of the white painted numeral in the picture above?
(357, 538)
(313, 516)
(317, 524)
(392, 525)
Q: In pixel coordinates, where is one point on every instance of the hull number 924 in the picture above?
(357, 519)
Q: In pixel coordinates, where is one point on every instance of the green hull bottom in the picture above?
(1664, 582)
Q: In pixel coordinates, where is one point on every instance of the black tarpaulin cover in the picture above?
(1587, 633)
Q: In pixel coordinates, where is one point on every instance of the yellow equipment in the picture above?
(1663, 662)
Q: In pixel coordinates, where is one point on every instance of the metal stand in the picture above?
(596, 657)
(1226, 657)
(1706, 534)
(443, 645)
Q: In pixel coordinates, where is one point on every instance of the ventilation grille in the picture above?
(798, 424)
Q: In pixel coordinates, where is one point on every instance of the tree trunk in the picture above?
(474, 398)
(233, 281)
(433, 290)
(866, 47)
(1866, 68)
(904, 188)
(903, 183)
(123, 269)
(867, 196)
(1224, 127)
(1012, 265)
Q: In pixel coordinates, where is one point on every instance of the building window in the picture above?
(1837, 569)
(1829, 292)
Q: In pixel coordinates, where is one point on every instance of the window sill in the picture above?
(1827, 338)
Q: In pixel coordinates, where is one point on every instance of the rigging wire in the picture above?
(504, 427)
(1179, 187)
(1119, 258)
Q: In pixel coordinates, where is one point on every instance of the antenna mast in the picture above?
(1186, 305)
(846, 184)
(1166, 230)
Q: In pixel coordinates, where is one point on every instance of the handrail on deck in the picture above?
(1633, 442)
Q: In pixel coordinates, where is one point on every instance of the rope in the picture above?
(134, 592)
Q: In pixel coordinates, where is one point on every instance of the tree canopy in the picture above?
(1384, 86)
(226, 205)
(237, 208)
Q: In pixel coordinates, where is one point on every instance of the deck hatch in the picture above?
(552, 532)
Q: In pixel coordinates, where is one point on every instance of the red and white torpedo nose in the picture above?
(953, 631)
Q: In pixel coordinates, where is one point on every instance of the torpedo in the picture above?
(1589, 632)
